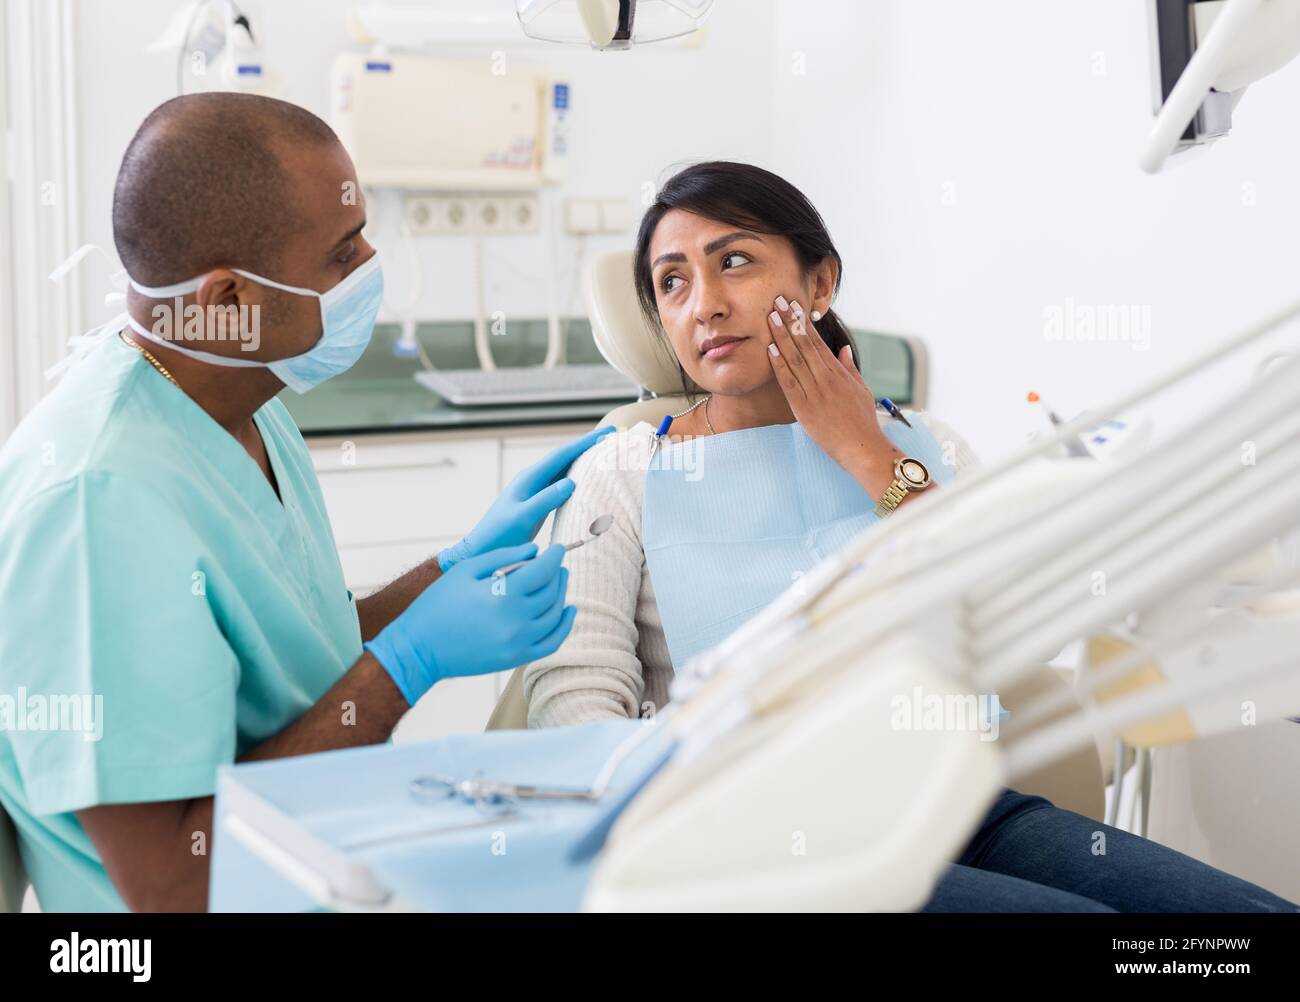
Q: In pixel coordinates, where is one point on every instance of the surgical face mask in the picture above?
(347, 316)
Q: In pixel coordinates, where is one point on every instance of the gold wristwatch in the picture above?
(910, 475)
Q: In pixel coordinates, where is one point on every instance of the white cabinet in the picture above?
(394, 501)
(516, 453)
(394, 493)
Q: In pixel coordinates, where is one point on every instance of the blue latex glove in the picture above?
(469, 622)
(521, 509)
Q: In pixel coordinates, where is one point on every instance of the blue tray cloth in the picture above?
(349, 798)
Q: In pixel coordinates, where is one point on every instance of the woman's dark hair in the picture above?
(754, 199)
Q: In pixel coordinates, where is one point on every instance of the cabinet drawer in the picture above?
(362, 453)
(517, 453)
(433, 492)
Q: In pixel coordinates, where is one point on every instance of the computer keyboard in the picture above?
(529, 385)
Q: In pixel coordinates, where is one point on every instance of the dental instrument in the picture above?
(1073, 447)
(508, 815)
(598, 527)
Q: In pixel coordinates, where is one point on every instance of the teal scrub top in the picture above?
(163, 610)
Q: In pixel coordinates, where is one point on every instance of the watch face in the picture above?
(913, 471)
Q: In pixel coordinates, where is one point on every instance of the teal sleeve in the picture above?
(117, 643)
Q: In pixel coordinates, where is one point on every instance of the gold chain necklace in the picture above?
(149, 356)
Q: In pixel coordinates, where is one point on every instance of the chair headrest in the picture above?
(628, 342)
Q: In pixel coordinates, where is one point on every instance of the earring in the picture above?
(816, 315)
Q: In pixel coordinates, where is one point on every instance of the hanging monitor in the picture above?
(1204, 55)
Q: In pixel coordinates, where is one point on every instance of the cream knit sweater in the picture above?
(615, 662)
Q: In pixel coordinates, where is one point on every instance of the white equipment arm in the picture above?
(793, 723)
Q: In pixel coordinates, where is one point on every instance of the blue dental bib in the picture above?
(730, 521)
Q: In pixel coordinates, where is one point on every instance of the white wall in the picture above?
(1030, 113)
(975, 169)
(635, 114)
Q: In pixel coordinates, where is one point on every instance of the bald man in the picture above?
(172, 594)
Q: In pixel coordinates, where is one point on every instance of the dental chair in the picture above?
(1075, 783)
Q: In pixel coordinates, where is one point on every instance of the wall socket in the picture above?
(521, 211)
(597, 215)
(455, 214)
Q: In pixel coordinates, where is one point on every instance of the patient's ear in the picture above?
(824, 278)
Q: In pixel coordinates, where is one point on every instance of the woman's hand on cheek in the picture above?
(829, 398)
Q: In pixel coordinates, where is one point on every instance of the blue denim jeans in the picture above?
(1030, 856)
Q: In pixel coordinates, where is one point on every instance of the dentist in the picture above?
(166, 563)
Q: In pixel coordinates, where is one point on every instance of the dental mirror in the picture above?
(598, 527)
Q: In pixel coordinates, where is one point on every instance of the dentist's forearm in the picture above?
(361, 708)
(378, 610)
(150, 850)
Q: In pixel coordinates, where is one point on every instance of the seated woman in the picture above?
(736, 267)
